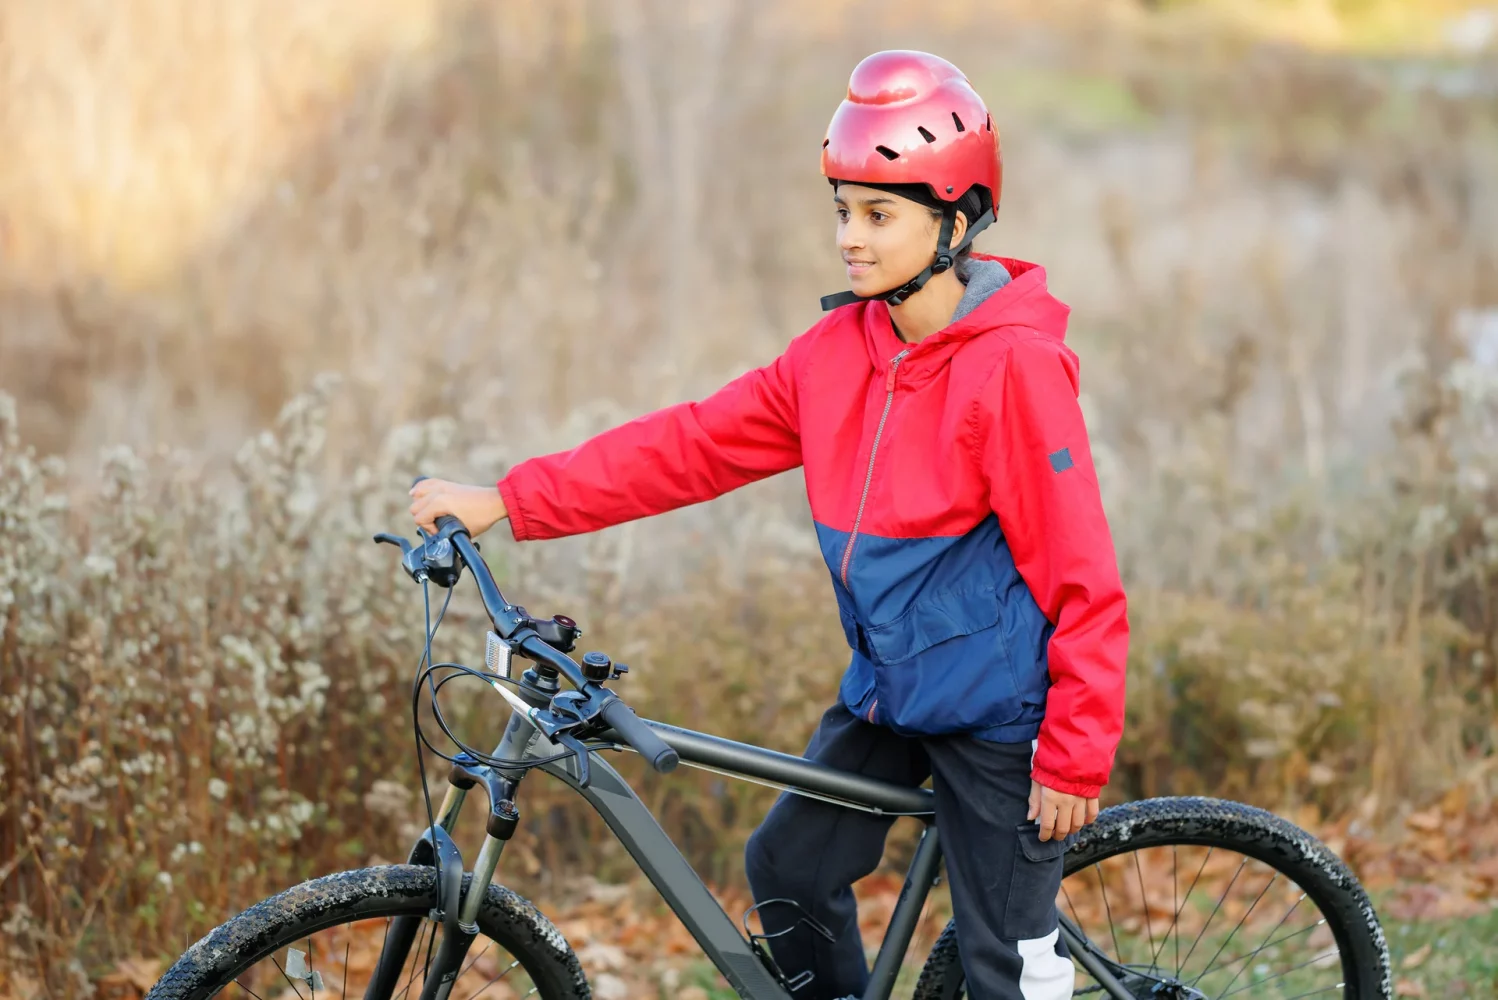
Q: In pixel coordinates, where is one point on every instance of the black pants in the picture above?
(1002, 878)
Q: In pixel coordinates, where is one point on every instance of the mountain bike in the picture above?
(1278, 914)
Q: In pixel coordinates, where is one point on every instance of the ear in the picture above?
(959, 228)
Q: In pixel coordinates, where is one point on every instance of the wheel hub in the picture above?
(1173, 989)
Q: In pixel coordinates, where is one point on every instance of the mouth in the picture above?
(856, 267)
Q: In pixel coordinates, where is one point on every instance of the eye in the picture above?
(878, 217)
(842, 215)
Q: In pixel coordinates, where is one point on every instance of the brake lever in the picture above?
(389, 539)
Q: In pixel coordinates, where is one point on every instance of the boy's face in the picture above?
(885, 239)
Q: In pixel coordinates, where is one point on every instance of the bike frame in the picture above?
(673, 877)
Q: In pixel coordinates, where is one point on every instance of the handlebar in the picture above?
(512, 623)
(630, 729)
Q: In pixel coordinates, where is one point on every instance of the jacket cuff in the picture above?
(1056, 783)
(518, 526)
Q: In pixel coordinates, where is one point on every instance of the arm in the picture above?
(676, 456)
(1044, 490)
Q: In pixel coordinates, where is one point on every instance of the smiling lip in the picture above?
(858, 266)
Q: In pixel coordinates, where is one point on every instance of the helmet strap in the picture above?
(946, 256)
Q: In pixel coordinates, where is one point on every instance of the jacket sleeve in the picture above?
(676, 456)
(1044, 489)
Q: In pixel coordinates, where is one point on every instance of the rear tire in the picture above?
(1229, 826)
(295, 915)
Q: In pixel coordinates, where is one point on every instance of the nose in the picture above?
(849, 238)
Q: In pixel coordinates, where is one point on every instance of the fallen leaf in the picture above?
(1426, 821)
(141, 973)
(113, 986)
(1409, 988)
(602, 956)
(1416, 958)
(608, 986)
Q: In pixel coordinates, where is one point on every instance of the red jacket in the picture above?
(953, 492)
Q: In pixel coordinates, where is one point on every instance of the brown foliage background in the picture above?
(505, 226)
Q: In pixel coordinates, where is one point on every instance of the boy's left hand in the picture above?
(1059, 814)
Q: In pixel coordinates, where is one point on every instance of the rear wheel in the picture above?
(1192, 898)
(323, 938)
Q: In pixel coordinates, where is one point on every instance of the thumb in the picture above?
(1034, 800)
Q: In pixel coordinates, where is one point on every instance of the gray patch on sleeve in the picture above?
(1061, 460)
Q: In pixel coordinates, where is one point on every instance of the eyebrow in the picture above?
(838, 200)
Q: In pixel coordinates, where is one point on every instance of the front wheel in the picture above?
(1201, 899)
(326, 936)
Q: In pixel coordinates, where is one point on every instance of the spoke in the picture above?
(346, 943)
(1220, 899)
(1145, 899)
(508, 969)
(311, 969)
(1071, 906)
(1175, 900)
(1267, 942)
(472, 962)
(1117, 951)
(247, 989)
(286, 977)
(412, 977)
(1181, 904)
(426, 972)
(1277, 975)
(1229, 939)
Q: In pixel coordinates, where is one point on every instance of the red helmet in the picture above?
(913, 118)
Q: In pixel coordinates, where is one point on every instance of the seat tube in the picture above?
(902, 922)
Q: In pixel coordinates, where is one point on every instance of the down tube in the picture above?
(675, 879)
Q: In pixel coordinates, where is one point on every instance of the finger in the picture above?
(1034, 800)
(1047, 819)
(1079, 816)
(1063, 821)
(423, 487)
(1091, 810)
(427, 510)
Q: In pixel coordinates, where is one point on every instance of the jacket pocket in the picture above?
(943, 615)
(943, 666)
(1030, 911)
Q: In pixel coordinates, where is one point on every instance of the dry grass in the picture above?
(508, 225)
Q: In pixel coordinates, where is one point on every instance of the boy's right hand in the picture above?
(478, 507)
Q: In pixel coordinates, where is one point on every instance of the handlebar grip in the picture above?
(640, 736)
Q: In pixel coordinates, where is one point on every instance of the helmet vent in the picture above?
(825, 142)
(958, 122)
(924, 134)
(887, 153)
(988, 125)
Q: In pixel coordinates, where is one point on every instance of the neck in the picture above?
(928, 310)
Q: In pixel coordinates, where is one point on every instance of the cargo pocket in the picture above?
(1030, 911)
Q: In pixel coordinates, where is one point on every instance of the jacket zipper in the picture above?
(868, 479)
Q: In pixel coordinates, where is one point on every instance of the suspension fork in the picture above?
(436, 847)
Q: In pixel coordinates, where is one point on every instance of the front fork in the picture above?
(436, 848)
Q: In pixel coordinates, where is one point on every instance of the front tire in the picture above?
(255, 938)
